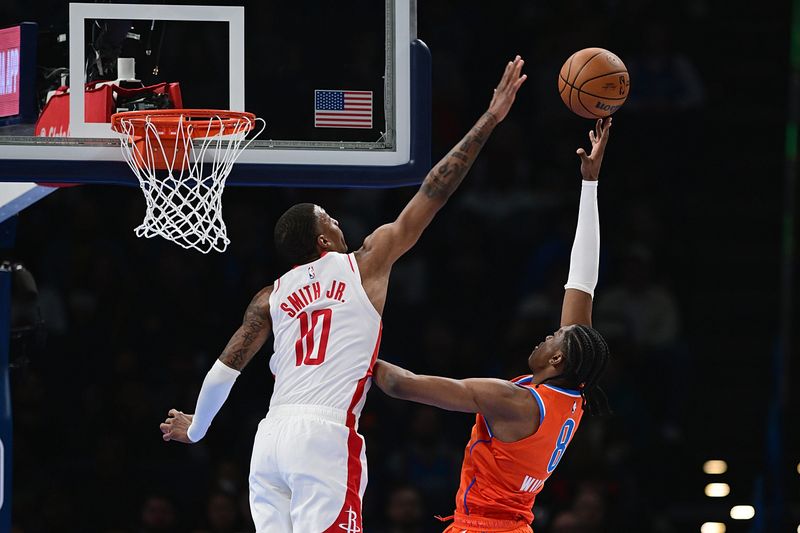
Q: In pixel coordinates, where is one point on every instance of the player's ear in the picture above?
(555, 359)
(323, 242)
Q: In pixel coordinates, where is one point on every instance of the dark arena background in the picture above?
(695, 294)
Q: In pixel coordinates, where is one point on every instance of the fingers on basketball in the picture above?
(607, 128)
(605, 132)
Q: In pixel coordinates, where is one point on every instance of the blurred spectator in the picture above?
(638, 308)
(426, 461)
(229, 478)
(585, 515)
(569, 522)
(590, 507)
(222, 515)
(404, 511)
(157, 516)
(641, 317)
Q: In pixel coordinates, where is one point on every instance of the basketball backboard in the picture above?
(290, 63)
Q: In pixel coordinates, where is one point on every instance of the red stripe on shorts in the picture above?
(349, 518)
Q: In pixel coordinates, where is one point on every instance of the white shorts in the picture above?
(308, 472)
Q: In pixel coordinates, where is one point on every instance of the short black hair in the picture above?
(296, 234)
(586, 354)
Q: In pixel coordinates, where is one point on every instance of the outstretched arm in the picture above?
(244, 344)
(390, 241)
(495, 399)
(585, 257)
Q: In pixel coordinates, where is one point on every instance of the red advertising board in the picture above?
(9, 71)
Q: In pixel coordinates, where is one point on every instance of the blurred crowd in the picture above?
(133, 325)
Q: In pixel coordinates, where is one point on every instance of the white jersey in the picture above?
(327, 334)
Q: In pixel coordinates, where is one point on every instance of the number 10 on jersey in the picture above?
(304, 347)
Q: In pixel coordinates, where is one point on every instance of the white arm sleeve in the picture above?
(585, 259)
(214, 392)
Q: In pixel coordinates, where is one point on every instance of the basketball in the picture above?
(593, 83)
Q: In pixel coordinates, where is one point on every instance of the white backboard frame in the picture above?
(80, 13)
(95, 142)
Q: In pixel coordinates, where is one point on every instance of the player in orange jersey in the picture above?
(523, 426)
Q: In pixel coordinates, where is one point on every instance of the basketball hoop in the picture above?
(182, 158)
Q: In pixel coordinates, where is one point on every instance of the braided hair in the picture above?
(296, 234)
(585, 357)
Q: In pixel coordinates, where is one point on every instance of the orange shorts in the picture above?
(476, 524)
(455, 529)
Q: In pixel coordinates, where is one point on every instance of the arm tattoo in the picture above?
(245, 342)
(446, 176)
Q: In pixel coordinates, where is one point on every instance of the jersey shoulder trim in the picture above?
(524, 382)
(535, 394)
(273, 295)
(488, 429)
(569, 392)
(353, 264)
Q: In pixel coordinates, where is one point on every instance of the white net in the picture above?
(182, 165)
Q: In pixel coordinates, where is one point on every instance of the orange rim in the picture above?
(200, 119)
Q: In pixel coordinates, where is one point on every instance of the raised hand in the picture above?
(175, 427)
(507, 89)
(590, 164)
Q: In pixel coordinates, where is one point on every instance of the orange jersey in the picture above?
(500, 480)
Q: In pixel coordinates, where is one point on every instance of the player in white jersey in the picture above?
(308, 469)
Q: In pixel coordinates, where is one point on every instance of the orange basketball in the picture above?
(593, 83)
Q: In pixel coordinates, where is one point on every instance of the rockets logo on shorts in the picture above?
(352, 522)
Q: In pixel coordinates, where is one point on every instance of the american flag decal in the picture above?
(342, 109)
